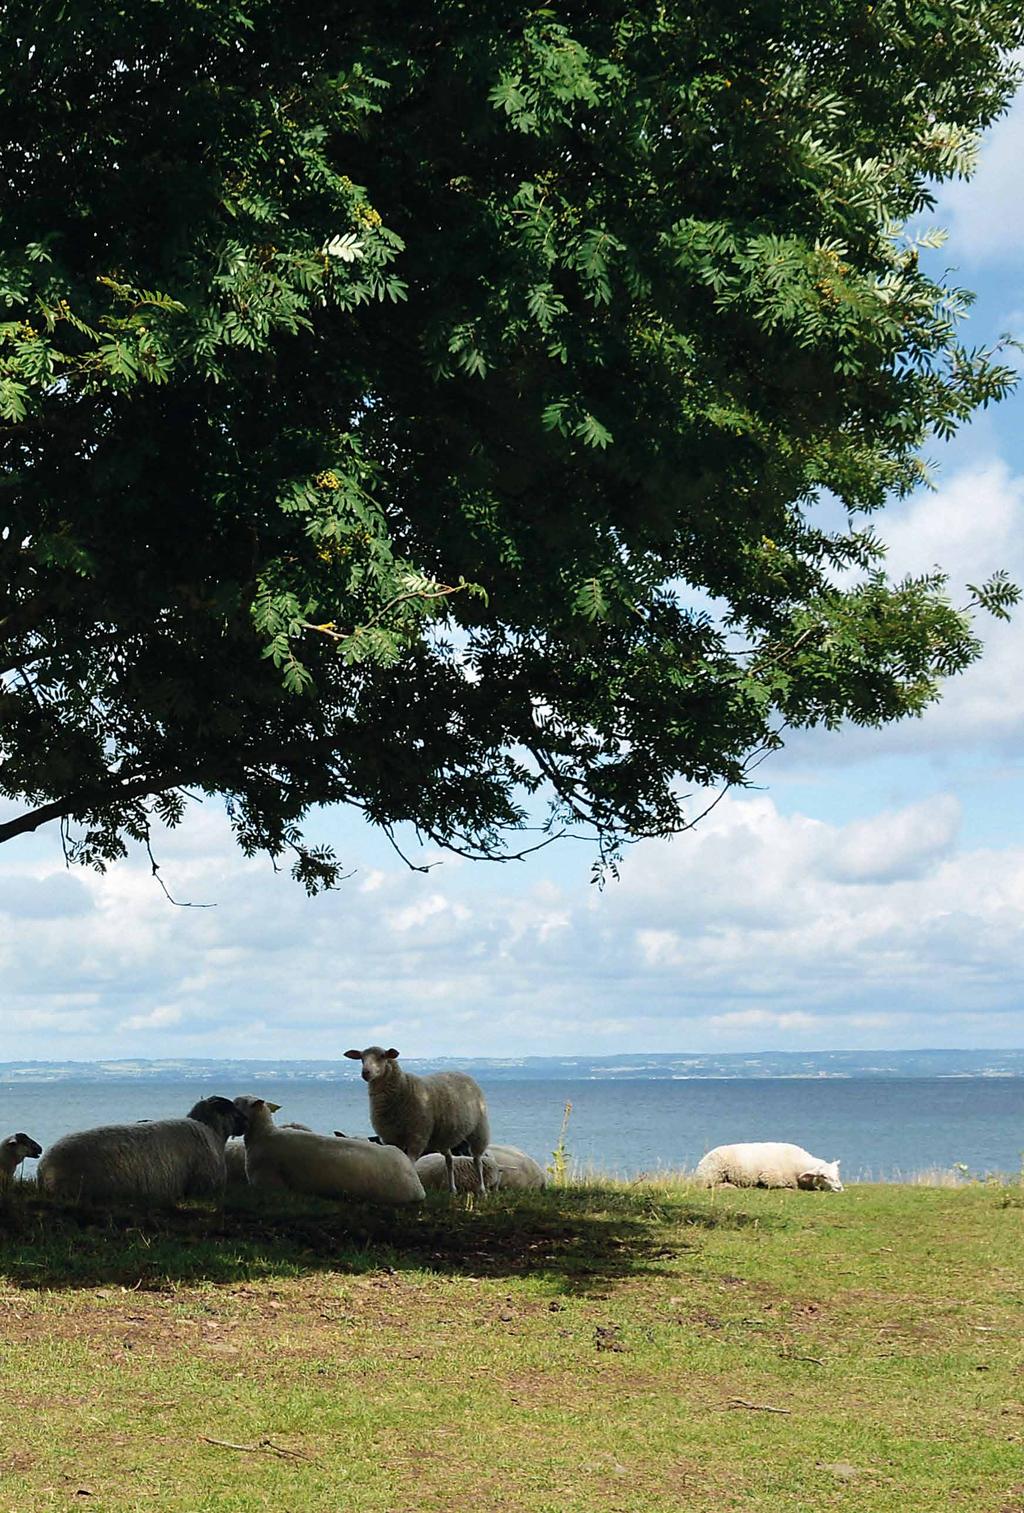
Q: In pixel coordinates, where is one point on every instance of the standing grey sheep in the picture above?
(163, 1161)
(326, 1166)
(13, 1151)
(423, 1114)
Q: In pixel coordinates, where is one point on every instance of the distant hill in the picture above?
(772, 1064)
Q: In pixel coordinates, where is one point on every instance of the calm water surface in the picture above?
(880, 1129)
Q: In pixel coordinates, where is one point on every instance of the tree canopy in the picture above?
(429, 409)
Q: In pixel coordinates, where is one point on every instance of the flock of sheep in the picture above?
(431, 1132)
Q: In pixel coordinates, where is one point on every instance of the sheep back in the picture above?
(159, 1162)
(330, 1166)
(518, 1170)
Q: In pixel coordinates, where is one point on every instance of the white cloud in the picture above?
(757, 929)
(761, 1019)
(157, 1019)
(889, 846)
(985, 214)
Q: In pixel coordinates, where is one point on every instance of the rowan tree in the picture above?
(431, 411)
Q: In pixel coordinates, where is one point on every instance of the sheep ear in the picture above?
(392, 1055)
(354, 1055)
(273, 1107)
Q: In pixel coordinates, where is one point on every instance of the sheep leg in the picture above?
(478, 1165)
(449, 1165)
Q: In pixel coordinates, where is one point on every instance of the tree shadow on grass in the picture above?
(580, 1238)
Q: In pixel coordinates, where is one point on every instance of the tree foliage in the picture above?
(428, 411)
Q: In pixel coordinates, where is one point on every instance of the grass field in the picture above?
(592, 1348)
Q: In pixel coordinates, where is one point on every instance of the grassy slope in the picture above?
(579, 1349)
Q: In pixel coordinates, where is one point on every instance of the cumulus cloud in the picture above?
(890, 846)
(758, 929)
(985, 214)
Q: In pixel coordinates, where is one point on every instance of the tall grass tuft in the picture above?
(558, 1167)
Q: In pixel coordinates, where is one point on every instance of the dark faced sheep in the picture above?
(13, 1151)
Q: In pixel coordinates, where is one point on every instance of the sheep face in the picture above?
(17, 1147)
(247, 1104)
(376, 1061)
(825, 1180)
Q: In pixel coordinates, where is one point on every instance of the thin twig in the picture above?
(156, 873)
(396, 848)
(742, 1402)
(261, 1445)
(329, 628)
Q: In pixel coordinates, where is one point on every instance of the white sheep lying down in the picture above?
(13, 1151)
(160, 1161)
(325, 1166)
(234, 1156)
(768, 1163)
(517, 1169)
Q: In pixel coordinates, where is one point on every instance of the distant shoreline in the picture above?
(870, 1065)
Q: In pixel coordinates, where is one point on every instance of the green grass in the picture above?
(595, 1348)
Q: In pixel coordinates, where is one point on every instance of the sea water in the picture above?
(880, 1129)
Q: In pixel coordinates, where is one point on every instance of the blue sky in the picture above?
(870, 894)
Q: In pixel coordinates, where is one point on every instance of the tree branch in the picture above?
(78, 803)
(329, 628)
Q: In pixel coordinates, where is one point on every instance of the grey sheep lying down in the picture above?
(433, 1173)
(159, 1162)
(13, 1151)
(504, 1167)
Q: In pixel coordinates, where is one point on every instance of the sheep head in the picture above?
(377, 1062)
(825, 1179)
(251, 1110)
(17, 1147)
(219, 1114)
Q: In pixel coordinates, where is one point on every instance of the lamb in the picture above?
(13, 1151)
(517, 1169)
(768, 1163)
(327, 1166)
(433, 1172)
(234, 1155)
(424, 1114)
(160, 1162)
